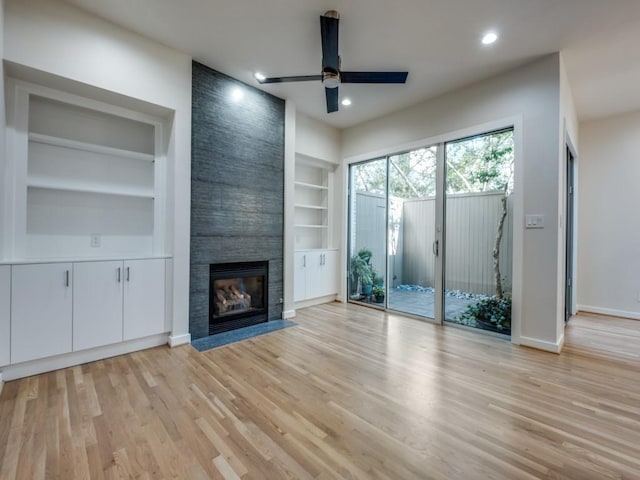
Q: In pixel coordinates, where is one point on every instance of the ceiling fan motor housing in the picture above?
(330, 79)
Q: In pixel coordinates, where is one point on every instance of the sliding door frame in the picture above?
(513, 122)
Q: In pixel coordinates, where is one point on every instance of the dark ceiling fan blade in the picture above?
(332, 99)
(329, 33)
(300, 78)
(373, 77)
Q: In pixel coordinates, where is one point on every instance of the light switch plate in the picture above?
(535, 220)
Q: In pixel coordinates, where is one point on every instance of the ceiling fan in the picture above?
(331, 75)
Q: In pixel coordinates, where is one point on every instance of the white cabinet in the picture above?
(5, 314)
(300, 277)
(144, 298)
(315, 274)
(41, 310)
(97, 304)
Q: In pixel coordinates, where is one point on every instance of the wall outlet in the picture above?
(96, 240)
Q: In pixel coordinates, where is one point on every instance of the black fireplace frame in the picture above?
(220, 271)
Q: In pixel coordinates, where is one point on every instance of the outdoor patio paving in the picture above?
(423, 303)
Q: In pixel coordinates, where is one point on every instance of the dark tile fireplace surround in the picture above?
(237, 204)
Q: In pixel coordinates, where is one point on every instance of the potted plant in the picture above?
(378, 293)
(359, 275)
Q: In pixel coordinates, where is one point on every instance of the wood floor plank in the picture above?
(348, 393)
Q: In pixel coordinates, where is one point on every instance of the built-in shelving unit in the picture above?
(90, 178)
(313, 189)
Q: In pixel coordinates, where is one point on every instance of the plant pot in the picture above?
(379, 298)
(366, 289)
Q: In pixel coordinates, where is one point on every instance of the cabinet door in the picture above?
(97, 304)
(314, 274)
(329, 273)
(41, 303)
(5, 314)
(143, 298)
(299, 277)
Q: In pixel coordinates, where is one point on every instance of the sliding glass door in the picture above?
(368, 228)
(412, 232)
(431, 232)
(478, 231)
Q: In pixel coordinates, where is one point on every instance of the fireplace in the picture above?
(238, 295)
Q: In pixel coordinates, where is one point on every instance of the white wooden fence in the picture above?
(472, 221)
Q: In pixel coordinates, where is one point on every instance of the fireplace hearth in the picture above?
(238, 295)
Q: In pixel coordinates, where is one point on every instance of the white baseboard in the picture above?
(35, 367)
(176, 340)
(316, 301)
(288, 314)
(542, 344)
(1, 383)
(608, 311)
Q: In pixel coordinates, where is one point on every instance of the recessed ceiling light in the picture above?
(489, 38)
(346, 102)
(237, 94)
(259, 77)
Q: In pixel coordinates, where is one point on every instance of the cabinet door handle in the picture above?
(322, 259)
(128, 275)
(304, 260)
(66, 278)
(119, 271)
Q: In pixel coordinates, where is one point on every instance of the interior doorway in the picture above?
(570, 235)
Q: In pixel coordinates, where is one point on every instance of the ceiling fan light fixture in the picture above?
(330, 79)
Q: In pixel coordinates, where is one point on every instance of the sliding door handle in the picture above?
(435, 247)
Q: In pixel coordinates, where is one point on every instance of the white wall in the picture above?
(289, 210)
(608, 226)
(569, 135)
(54, 37)
(316, 139)
(532, 93)
(3, 188)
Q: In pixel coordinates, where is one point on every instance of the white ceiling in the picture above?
(437, 41)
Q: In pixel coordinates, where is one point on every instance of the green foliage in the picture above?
(492, 311)
(479, 164)
(359, 269)
(378, 280)
(365, 254)
(377, 291)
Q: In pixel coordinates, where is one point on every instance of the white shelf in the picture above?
(50, 184)
(90, 147)
(312, 207)
(311, 226)
(311, 185)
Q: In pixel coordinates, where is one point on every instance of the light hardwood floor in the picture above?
(348, 393)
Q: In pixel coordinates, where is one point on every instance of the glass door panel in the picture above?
(367, 232)
(412, 220)
(478, 234)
